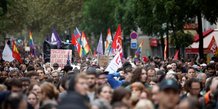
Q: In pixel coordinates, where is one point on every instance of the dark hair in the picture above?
(30, 68)
(99, 90)
(13, 82)
(31, 73)
(188, 84)
(25, 79)
(136, 77)
(13, 101)
(119, 94)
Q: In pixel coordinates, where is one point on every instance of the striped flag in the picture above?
(76, 41)
(139, 50)
(15, 52)
(31, 43)
(85, 45)
(108, 42)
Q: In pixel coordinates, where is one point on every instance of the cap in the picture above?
(169, 84)
(91, 71)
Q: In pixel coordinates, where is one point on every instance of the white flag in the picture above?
(114, 64)
(7, 54)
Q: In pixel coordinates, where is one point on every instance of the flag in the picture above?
(108, 43)
(7, 54)
(176, 56)
(213, 46)
(85, 45)
(31, 43)
(139, 50)
(165, 50)
(117, 42)
(15, 52)
(100, 46)
(114, 64)
(55, 39)
(76, 41)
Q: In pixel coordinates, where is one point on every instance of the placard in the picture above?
(60, 56)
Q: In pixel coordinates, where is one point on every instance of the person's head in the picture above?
(102, 78)
(25, 83)
(91, 77)
(151, 72)
(139, 75)
(214, 84)
(120, 105)
(137, 87)
(49, 91)
(202, 77)
(33, 75)
(169, 93)
(32, 98)
(14, 85)
(210, 71)
(23, 67)
(55, 66)
(144, 104)
(121, 95)
(127, 68)
(155, 94)
(189, 103)
(105, 92)
(55, 75)
(14, 74)
(78, 83)
(146, 94)
(191, 73)
(194, 86)
(15, 101)
(41, 73)
(174, 66)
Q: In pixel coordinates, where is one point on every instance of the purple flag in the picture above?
(100, 46)
(55, 39)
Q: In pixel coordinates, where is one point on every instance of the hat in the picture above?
(91, 71)
(169, 84)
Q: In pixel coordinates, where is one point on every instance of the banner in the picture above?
(114, 64)
(60, 56)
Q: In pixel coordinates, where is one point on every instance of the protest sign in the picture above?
(60, 56)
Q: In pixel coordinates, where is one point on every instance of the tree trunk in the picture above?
(162, 45)
(201, 41)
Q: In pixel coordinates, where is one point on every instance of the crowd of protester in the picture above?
(155, 84)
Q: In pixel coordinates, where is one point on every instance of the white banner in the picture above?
(7, 54)
(114, 64)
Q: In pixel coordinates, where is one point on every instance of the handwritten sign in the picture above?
(60, 56)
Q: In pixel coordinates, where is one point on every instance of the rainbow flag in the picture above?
(84, 45)
(108, 42)
(139, 50)
(31, 44)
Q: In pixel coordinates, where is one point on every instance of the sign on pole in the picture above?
(60, 56)
(133, 44)
(133, 35)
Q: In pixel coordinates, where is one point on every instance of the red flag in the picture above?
(117, 37)
(176, 56)
(213, 46)
(15, 52)
(117, 42)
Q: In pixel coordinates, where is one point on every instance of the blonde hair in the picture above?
(144, 104)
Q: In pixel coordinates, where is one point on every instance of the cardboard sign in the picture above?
(60, 56)
(103, 61)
